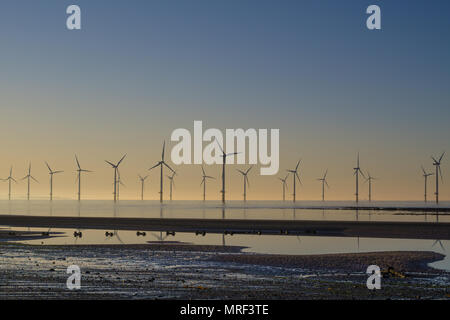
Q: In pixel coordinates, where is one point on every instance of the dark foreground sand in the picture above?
(181, 271)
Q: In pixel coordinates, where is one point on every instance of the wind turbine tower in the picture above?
(161, 164)
(295, 175)
(204, 178)
(324, 182)
(437, 164)
(51, 173)
(245, 176)
(425, 176)
(116, 170)
(356, 174)
(28, 177)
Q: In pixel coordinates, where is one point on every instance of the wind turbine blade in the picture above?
(248, 170)
(60, 171)
(203, 170)
(168, 166)
(203, 181)
(423, 170)
(434, 159)
(298, 163)
(327, 184)
(362, 173)
(121, 159)
(111, 164)
(34, 179)
(164, 147)
(326, 172)
(78, 163)
(298, 177)
(49, 169)
(159, 163)
(442, 155)
(242, 172)
(220, 147)
(231, 154)
(248, 181)
(13, 179)
(210, 177)
(140, 177)
(440, 173)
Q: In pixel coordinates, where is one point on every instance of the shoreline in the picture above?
(367, 229)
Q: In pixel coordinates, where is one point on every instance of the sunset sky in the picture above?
(140, 69)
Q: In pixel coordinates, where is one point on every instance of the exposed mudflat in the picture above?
(183, 271)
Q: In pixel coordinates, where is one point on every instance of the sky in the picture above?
(137, 70)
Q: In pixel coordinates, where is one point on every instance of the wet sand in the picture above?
(184, 271)
(375, 229)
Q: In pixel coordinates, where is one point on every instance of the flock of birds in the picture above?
(161, 164)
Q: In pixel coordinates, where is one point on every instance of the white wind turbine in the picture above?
(28, 177)
(116, 169)
(295, 175)
(245, 177)
(425, 176)
(284, 182)
(51, 173)
(204, 178)
(161, 164)
(79, 171)
(437, 164)
(356, 174)
(324, 182)
(370, 179)
(172, 182)
(9, 179)
(224, 160)
(142, 179)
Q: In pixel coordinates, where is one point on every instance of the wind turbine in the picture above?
(142, 185)
(425, 176)
(204, 177)
(119, 183)
(284, 181)
(28, 177)
(356, 174)
(161, 163)
(79, 171)
(9, 179)
(224, 160)
(116, 169)
(51, 173)
(437, 164)
(295, 175)
(369, 179)
(245, 176)
(172, 182)
(324, 182)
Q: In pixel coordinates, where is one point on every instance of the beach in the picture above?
(183, 271)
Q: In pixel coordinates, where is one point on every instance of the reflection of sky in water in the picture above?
(213, 210)
(235, 210)
(273, 244)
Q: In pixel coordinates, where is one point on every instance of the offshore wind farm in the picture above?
(225, 150)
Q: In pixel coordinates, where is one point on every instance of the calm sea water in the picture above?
(276, 244)
(214, 210)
